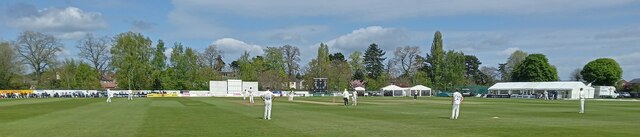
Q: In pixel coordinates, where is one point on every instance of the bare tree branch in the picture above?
(37, 50)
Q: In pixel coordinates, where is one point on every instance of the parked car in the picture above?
(624, 95)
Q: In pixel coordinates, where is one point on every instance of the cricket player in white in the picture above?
(244, 94)
(345, 97)
(545, 95)
(130, 95)
(354, 97)
(250, 95)
(457, 99)
(109, 95)
(267, 97)
(581, 101)
(290, 95)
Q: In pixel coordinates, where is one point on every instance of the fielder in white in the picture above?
(267, 97)
(581, 101)
(109, 96)
(250, 95)
(290, 95)
(345, 97)
(456, 101)
(545, 95)
(130, 95)
(354, 98)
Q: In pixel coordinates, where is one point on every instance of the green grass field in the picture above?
(315, 116)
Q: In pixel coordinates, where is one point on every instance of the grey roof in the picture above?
(635, 81)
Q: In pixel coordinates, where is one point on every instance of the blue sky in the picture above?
(571, 33)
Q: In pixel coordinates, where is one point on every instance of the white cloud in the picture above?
(231, 46)
(384, 9)
(386, 38)
(70, 19)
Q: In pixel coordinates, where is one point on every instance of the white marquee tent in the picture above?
(395, 90)
(565, 89)
(422, 90)
(359, 89)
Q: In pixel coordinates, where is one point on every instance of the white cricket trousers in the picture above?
(130, 97)
(354, 101)
(267, 110)
(244, 97)
(581, 105)
(250, 99)
(108, 99)
(455, 111)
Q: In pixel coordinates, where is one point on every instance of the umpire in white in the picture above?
(581, 100)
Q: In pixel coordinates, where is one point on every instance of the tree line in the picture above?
(135, 62)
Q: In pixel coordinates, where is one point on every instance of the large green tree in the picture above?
(453, 69)
(9, 66)
(246, 69)
(159, 66)
(274, 76)
(340, 73)
(131, 58)
(87, 77)
(535, 68)
(514, 59)
(602, 71)
(357, 65)
(77, 75)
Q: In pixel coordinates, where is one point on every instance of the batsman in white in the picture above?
(345, 97)
(581, 101)
(456, 101)
(267, 97)
(250, 95)
(130, 95)
(244, 94)
(354, 98)
(109, 96)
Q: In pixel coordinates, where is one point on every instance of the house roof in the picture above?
(635, 81)
(108, 85)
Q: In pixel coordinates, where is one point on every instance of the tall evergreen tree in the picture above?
(373, 61)
(435, 61)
